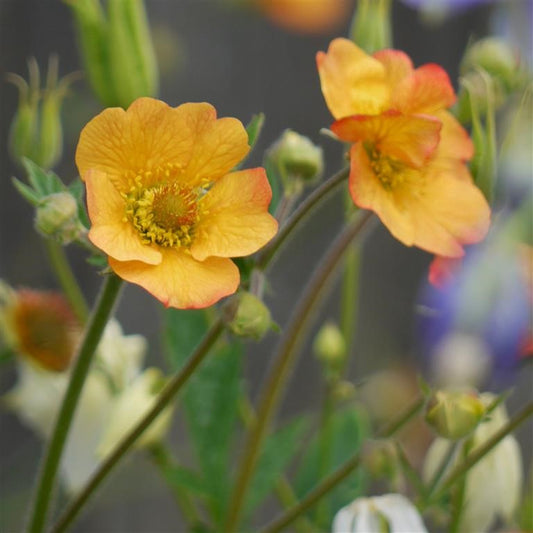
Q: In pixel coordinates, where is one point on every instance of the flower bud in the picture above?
(494, 56)
(297, 157)
(329, 345)
(247, 316)
(117, 50)
(371, 26)
(57, 217)
(454, 414)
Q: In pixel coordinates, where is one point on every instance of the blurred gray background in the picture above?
(243, 64)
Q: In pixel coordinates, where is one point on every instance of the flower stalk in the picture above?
(47, 477)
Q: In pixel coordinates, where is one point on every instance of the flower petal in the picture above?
(426, 90)
(235, 220)
(454, 140)
(368, 192)
(181, 281)
(353, 83)
(409, 138)
(449, 213)
(151, 135)
(110, 231)
(398, 65)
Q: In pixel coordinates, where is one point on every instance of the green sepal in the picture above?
(254, 128)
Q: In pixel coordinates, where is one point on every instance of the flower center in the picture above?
(164, 214)
(388, 170)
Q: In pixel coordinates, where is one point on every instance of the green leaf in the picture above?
(180, 476)
(278, 450)
(77, 189)
(274, 179)
(349, 428)
(26, 192)
(43, 182)
(254, 127)
(210, 401)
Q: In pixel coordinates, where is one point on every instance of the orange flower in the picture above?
(408, 157)
(306, 16)
(164, 204)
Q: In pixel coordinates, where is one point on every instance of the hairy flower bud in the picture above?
(454, 414)
(248, 316)
(57, 217)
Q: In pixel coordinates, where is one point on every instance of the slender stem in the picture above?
(460, 470)
(101, 313)
(163, 460)
(284, 360)
(300, 213)
(65, 276)
(341, 473)
(284, 491)
(458, 496)
(440, 471)
(163, 399)
(349, 300)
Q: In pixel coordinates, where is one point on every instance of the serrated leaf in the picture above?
(278, 450)
(349, 428)
(210, 400)
(26, 192)
(43, 182)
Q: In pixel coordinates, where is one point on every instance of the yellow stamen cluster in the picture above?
(389, 171)
(165, 213)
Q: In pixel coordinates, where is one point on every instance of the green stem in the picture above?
(341, 473)
(283, 361)
(300, 213)
(163, 460)
(101, 313)
(460, 470)
(440, 471)
(458, 497)
(349, 300)
(63, 272)
(163, 399)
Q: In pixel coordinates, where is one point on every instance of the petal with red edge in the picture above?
(181, 281)
(353, 83)
(109, 230)
(235, 219)
(426, 90)
(368, 192)
(411, 139)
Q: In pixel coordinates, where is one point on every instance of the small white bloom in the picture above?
(493, 484)
(120, 356)
(391, 513)
(127, 409)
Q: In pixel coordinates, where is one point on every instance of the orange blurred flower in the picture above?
(408, 157)
(306, 16)
(164, 204)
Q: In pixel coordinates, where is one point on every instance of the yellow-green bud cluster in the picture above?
(454, 414)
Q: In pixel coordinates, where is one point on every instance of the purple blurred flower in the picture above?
(452, 5)
(479, 318)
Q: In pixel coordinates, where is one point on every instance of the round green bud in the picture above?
(247, 316)
(297, 156)
(57, 217)
(329, 345)
(454, 414)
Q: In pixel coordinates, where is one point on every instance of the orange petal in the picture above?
(235, 219)
(409, 138)
(109, 230)
(398, 66)
(368, 192)
(181, 281)
(426, 90)
(448, 214)
(353, 83)
(455, 142)
(150, 134)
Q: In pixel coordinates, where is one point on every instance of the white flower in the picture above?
(128, 408)
(391, 513)
(493, 484)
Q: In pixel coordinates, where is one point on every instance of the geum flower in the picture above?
(408, 154)
(164, 204)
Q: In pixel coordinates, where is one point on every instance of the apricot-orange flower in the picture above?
(164, 203)
(408, 157)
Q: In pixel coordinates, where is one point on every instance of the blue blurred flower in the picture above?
(445, 5)
(478, 320)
